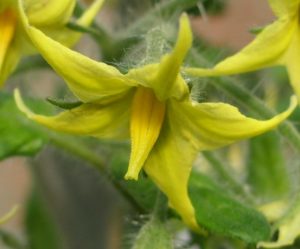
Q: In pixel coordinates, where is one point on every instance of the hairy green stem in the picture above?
(164, 10)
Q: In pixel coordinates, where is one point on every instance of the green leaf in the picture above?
(153, 234)
(267, 172)
(223, 215)
(40, 228)
(19, 136)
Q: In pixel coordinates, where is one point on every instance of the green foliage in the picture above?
(222, 215)
(19, 136)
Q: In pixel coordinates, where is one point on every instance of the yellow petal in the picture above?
(291, 60)
(89, 15)
(49, 12)
(87, 79)
(7, 29)
(285, 8)
(147, 116)
(109, 120)
(212, 125)
(169, 165)
(265, 50)
(69, 37)
(289, 230)
(168, 82)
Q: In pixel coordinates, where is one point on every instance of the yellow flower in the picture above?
(48, 15)
(151, 106)
(277, 44)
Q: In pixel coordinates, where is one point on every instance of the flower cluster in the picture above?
(149, 105)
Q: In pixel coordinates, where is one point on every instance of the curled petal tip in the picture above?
(21, 105)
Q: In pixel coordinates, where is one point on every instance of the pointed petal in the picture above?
(11, 60)
(291, 60)
(8, 21)
(212, 125)
(285, 8)
(169, 165)
(87, 79)
(164, 78)
(168, 81)
(69, 37)
(89, 15)
(147, 116)
(264, 51)
(108, 120)
(48, 13)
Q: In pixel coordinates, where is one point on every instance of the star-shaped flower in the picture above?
(49, 16)
(277, 44)
(150, 105)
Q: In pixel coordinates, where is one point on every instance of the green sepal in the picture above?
(221, 214)
(64, 104)
(154, 234)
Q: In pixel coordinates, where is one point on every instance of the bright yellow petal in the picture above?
(285, 8)
(167, 81)
(49, 12)
(70, 37)
(212, 125)
(8, 21)
(169, 165)
(164, 78)
(89, 15)
(147, 116)
(266, 50)
(289, 231)
(110, 120)
(291, 60)
(89, 80)
(11, 60)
